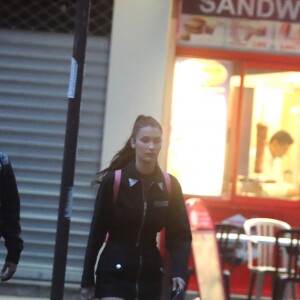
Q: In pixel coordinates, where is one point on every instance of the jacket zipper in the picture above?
(142, 224)
(145, 206)
(138, 276)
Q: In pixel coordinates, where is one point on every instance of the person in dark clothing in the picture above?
(130, 264)
(10, 228)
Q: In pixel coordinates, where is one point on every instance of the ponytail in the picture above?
(127, 153)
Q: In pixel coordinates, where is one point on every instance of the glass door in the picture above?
(197, 145)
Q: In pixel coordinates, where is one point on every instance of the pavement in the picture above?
(3, 297)
(191, 297)
(20, 298)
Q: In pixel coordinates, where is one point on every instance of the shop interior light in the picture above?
(295, 111)
(198, 126)
(201, 72)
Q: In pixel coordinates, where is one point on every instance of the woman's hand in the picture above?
(178, 283)
(8, 271)
(87, 293)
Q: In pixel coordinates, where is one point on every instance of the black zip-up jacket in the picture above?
(10, 228)
(134, 233)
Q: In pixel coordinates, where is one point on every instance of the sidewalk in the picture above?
(20, 298)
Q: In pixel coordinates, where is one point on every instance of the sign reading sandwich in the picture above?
(277, 10)
(252, 25)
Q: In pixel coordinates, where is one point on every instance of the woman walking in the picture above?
(127, 217)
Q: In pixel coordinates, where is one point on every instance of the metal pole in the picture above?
(67, 178)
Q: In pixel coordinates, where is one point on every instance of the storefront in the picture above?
(237, 83)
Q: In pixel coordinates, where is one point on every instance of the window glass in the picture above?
(198, 135)
(269, 147)
(206, 150)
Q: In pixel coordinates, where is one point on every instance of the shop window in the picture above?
(200, 108)
(220, 133)
(270, 107)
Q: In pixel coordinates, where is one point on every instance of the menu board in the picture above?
(271, 26)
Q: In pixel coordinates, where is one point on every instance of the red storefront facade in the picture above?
(237, 72)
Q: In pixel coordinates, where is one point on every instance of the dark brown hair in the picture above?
(282, 137)
(127, 153)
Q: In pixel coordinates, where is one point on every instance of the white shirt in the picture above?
(271, 177)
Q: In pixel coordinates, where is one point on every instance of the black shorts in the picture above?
(129, 274)
(109, 286)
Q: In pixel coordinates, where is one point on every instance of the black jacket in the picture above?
(126, 225)
(10, 228)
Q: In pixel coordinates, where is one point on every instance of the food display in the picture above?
(261, 140)
(197, 25)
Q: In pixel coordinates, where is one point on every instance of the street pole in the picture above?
(69, 158)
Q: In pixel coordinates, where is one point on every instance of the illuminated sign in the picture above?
(251, 25)
(279, 10)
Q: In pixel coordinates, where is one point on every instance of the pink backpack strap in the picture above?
(117, 182)
(116, 187)
(168, 183)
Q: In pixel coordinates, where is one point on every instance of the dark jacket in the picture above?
(131, 231)
(10, 228)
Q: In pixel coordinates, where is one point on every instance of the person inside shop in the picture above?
(127, 219)
(272, 177)
(10, 228)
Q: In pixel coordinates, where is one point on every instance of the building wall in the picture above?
(142, 47)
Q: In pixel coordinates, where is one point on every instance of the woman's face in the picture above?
(147, 144)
